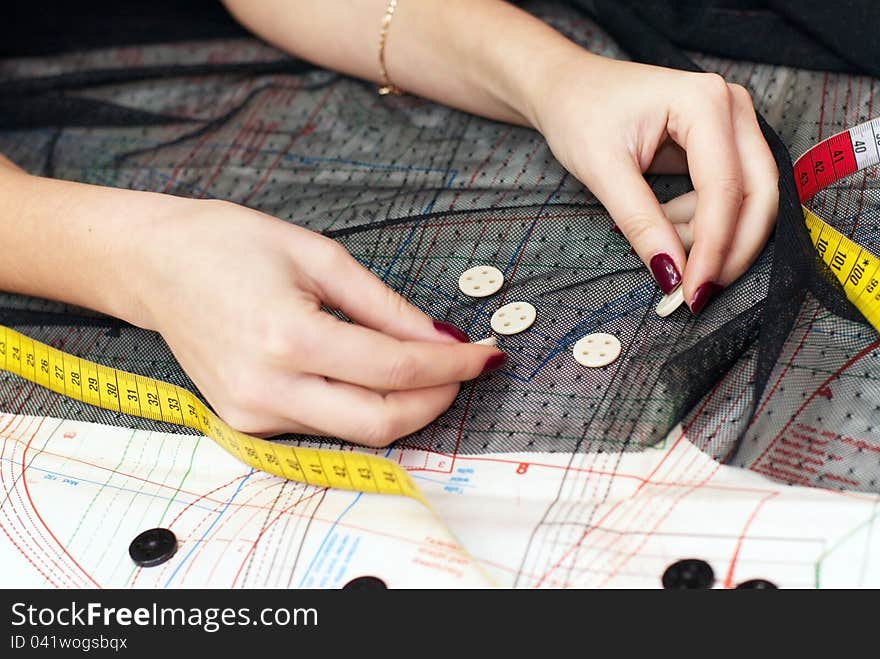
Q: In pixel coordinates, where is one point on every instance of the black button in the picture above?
(153, 547)
(757, 584)
(365, 583)
(688, 574)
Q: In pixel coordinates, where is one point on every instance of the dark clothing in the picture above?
(55, 26)
(838, 35)
(813, 34)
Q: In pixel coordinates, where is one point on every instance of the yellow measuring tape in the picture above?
(119, 391)
(837, 157)
(855, 267)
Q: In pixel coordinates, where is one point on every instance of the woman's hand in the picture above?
(237, 295)
(608, 122)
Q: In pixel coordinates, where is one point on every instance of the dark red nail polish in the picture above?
(451, 330)
(664, 271)
(704, 293)
(494, 363)
(616, 229)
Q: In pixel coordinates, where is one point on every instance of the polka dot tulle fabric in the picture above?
(774, 375)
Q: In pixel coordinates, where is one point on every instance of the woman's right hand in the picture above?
(238, 297)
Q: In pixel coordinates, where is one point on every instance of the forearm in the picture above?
(481, 56)
(76, 243)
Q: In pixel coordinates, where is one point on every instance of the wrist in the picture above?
(122, 237)
(443, 50)
(81, 244)
(144, 265)
(519, 71)
(552, 83)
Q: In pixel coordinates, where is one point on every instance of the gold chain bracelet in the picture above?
(387, 86)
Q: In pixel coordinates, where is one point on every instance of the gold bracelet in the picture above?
(387, 86)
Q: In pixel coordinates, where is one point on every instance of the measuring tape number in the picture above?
(837, 157)
(119, 391)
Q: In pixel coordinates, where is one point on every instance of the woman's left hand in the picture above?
(609, 121)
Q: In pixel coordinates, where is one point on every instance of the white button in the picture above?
(513, 318)
(670, 302)
(488, 341)
(481, 281)
(595, 350)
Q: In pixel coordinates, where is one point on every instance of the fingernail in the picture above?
(664, 271)
(494, 363)
(616, 229)
(451, 330)
(702, 296)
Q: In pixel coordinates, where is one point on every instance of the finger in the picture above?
(366, 357)
(624, 192)
(262, 423)
(681, 208)
(680, 211)
(370, 418)
(366, 299)
(272, 427)
(713, 162)
(685, 231)
(669, 159)
(760, 178)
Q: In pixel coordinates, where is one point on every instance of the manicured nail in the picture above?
(702, 296)
(664, 271)
(451, 330)
(494, 363)
(616, 229)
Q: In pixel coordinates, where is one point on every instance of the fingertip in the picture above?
(494, 362)
(449, 331)
(479, 359)
(702, 296)
(702, 279)
(665, 272)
